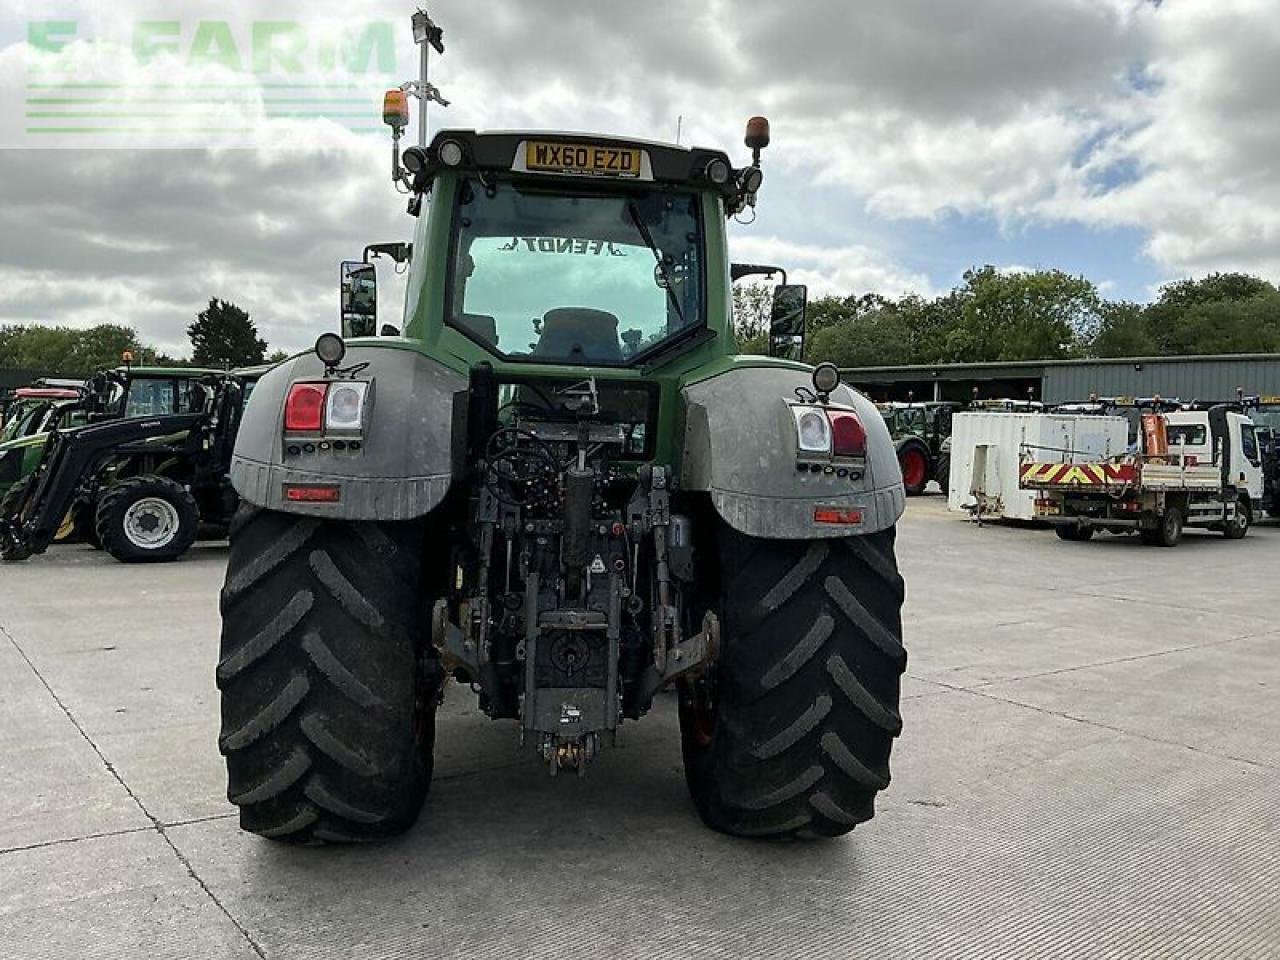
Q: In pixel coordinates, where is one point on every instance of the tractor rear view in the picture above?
(920, 431)
(563, 489)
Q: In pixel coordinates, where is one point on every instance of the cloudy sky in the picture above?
(1127, 140)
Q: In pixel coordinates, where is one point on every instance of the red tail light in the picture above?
(304, 407)
(848, 436)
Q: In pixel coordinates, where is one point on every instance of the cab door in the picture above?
(1249, 476)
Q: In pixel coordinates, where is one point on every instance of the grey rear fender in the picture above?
(407, 453)
(740, 446)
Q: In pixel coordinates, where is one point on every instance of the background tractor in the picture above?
(142, 475)
(920, 431)
(561, 487)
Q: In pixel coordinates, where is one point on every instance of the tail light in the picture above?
(848, 436)
(813, 429)
(304, 407)
(344, 407)
(833, 432)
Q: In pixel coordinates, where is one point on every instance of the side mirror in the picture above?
(359, 299)
(786, 323)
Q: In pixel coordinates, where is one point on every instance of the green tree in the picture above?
(1123, 331)
(1041, 315)
(277, 356)
(67, 351)
(224, 336)
(1220, 313)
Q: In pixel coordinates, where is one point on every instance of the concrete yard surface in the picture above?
(1090, 767)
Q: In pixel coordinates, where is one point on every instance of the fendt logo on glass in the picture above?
(178, 83)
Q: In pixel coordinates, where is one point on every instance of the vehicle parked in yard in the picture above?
(920, 430)
(144, 473)
(1265, 414)
(987, 448)
(562, 486)
(1198, 468)
(29, 415)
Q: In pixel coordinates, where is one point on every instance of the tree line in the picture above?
(222, 336)
(996, 315)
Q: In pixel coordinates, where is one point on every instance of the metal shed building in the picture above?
(1058, 381)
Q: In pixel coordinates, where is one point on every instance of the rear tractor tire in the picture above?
(791, 737)
(11, 549)
(329, 688)
(146, 519)
(913, 458)
(943, 474)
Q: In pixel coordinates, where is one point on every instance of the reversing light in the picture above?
(304, 407)
(813, 430)
(450, 153)
(344, 408)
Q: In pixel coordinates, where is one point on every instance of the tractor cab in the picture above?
(562, 250)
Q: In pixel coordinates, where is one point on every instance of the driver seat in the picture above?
(579, 334)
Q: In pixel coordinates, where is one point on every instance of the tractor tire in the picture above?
(913, 458)
(1168, 533)
(1238, 528)
(791, 736)
(329, 686)
(1073, 533)
(146, 519)
(12, 550)
(943, 474)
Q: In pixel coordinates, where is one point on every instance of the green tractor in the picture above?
(920, 431)
(561, 487)
(139, 468)
(30, 414)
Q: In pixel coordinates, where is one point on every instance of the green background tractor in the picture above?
(561, 486)
(920, 431)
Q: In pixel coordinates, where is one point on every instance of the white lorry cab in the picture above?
(1194, 468)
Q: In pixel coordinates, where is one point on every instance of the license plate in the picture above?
(582, 159)
(1047, 508)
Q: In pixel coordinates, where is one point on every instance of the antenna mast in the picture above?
(426, 35)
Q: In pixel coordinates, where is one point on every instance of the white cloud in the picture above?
(1102, 112)
(830, 270)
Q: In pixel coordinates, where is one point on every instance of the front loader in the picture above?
(561, 487)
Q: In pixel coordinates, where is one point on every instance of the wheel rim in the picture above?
(1172, 525)
(151, 523)
(913, 468)
(66, 528)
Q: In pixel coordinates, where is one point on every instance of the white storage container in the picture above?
(986, 449)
